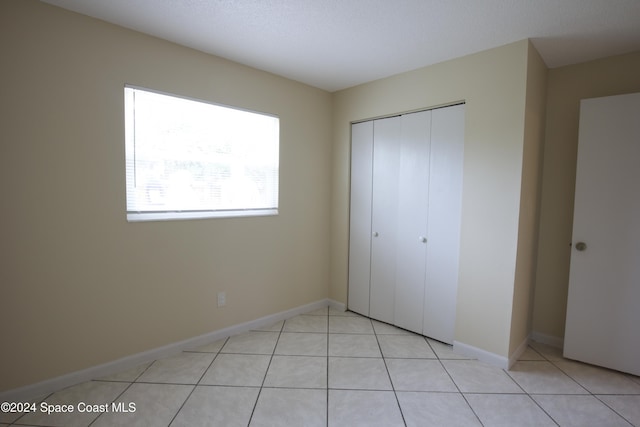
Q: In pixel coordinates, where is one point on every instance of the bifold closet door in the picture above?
(406, 197)
(360, 217)
(445, 211)
(384, 211)
(411, 231)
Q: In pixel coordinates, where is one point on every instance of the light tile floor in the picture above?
(330, 368)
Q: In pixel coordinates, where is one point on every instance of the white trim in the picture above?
(202, 100)
(501, 361)
(337, 305)
(516, 354)
(480, 354)
(169, 216)
(43, 388)
(556, 342)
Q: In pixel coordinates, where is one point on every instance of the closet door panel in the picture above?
(360, 217)
(413, 176)
(386, 162)
(445, 207)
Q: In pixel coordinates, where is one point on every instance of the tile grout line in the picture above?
(197, 382)
(563, 371)
(529, 395)
(455, 383)
(384, 360)
(566, 374)
(43, 399)
(589, 392)
(123, 391)
(616, 412)
(39, 401)
(327, 364)
(255, 405)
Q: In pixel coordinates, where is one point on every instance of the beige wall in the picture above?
(493, 84)
(529, 201)
(566, 87)
(80, 285)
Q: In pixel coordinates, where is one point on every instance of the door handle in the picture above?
(375, 234)
(422, 239)
(581, 246)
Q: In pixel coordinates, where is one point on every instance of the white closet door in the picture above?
(445, 208)
(360, 217)
(413, 196)
(386, 162)
(603, 319)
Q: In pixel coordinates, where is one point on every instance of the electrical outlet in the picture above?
(222, 299)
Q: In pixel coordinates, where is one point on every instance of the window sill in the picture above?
(186, 215)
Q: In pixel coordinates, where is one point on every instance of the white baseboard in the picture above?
(337, 305)
(43, 388)
(501, 361)
(480, 354)
(556, 342)
(516, 354)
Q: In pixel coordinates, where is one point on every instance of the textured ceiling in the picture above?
(335, 44)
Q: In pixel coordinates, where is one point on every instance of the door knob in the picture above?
(422, 239)
(375, 234)
(581, 246)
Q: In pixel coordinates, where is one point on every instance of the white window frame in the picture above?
(259, 199)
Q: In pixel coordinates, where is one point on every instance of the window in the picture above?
(192, 159)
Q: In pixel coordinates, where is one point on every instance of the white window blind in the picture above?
(193, 159)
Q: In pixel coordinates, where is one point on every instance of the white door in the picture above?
(445, 211)
(603, 319)
(413, 201)
(386, 163)
(360, 217)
